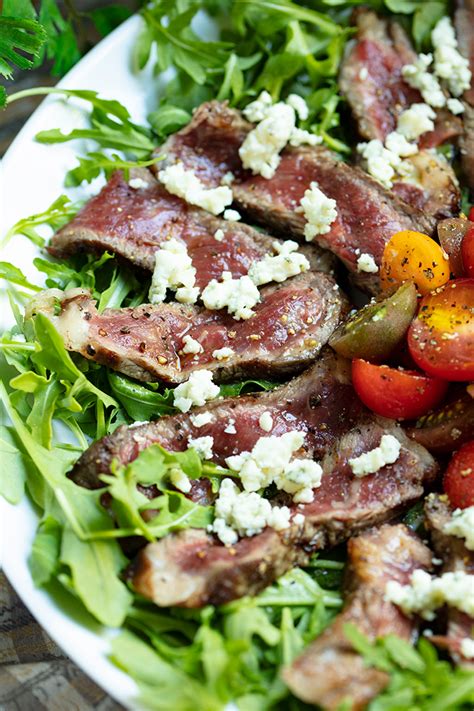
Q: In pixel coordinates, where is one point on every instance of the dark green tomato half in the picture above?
(377, 329)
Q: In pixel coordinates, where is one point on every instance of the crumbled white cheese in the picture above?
(301, 137)
(380, 163)
(366, 263)
(240, 513)
(230, 427)
(467, 648)
(223, 353)
(270, 461)
(455, 106)
(219, 235)
(418, 77)
(286, 263)
(265, 421)
(450, 65)
(195, 391)
(173, 270)
(398, 144)
(138, 423)
(415, 121)
(425, 594)
(179, 479)
(202, 445)
(185, 184)
(257, 110)
(201, 419)
(239, 296)
(191, 345)
(261, 147)
(461, 525)
(319, 211)
(370, 462)
(231, 215)
(298, 519)
(363, 74)
(299, 105)
(301, 476)
(137, 183)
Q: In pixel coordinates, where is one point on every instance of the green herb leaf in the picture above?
(13, 471)
(44, 557)
(21, 40)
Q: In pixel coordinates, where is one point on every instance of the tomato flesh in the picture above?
(458, 482)
(391, 392)
(471, 214)
(467, 252)
(441, 337)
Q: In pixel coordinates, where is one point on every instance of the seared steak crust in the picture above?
(329, 671)
(291, 324)
(455, 556)
(368, 215)
(133, 223)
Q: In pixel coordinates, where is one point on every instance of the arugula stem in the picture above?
(35, 91)
(18, 345)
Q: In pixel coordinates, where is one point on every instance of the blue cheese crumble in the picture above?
(424, 595)
(239, 296)
(173, 270)
(319, 211)
(195, 391)
(370, 462)
(185, 184)
(286, 263)
(461, 525)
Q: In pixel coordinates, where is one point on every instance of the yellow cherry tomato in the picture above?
(413, 256)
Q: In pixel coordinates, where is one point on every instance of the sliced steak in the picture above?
(368, 215)
(320, 402)
(464, 23)
(330, 671)
(133, 223)
(371, 75)
(290, 325)
(192, 568)
(455, 557)
(372, 82)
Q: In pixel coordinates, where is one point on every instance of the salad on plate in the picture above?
(239, 390)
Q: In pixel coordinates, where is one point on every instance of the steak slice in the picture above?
(464, 23)
(368, 215)
(321, 402)
(193, 569)
(455, 557)
(133, 223)
(330, 671)
(371, 75)
(290, 325)
(372, 82)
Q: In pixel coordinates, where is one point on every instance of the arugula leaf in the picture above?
(15, 276)
(176, 512)
(44, 557)
(56, 215)
(13, 471)
(141, 402)
(95, 163)
(94, 567)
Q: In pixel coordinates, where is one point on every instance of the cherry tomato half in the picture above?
(471, 214)
(413, 256)
(441, 337)
(467, 251)
(458, 482)
(391, 392)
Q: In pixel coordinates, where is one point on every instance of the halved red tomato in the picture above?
(458, 482)
(397, 393)
(441, 337)
(471, 214)
(467, 251)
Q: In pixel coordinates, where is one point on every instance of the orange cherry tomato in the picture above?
(467, 251)
(441, 337)
(392, 392)
(413, 256)
(458, 482)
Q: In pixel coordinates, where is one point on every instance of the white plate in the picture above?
(32, 177)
